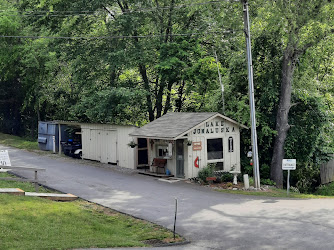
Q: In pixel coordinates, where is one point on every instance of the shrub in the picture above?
(251, 181)
(267, 182)
(226, 177)
(327, 189)
(208, 171)
(308, 178)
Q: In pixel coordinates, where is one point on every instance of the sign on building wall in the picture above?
(214, 127)
(4, 158)
(197, 146)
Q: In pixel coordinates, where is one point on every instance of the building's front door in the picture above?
(142, 152)
(179, 159)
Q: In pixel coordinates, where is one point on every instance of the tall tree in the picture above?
(303, 29)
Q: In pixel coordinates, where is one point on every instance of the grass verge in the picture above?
(18, 142)
(36, 223)
(26, 186)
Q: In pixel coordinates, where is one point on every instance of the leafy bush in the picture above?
(251, 181)
(208, 171)
(265, 171)
(267, 182)
(225, 176)
(327, 189)
(294, 190)
(308, 178)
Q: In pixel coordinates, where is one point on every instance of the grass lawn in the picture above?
(35, 223)
(18, 142)
(26, 186)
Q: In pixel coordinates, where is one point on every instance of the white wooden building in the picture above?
(190, 141)
(108, 144)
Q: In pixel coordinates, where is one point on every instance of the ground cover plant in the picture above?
(18, 142)
(326, 189)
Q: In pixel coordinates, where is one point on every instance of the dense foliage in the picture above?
(130, 62)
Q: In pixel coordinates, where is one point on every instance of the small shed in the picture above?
(52, 133)
(48, 135)
(108, 144)
(190, 141)
(99, 142)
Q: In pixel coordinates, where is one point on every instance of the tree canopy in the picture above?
(130, 62)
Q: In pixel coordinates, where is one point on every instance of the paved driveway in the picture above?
(209, 219)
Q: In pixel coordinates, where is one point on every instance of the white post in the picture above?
(54, 144)
(288, 183)
(59, 138)
(246, 181)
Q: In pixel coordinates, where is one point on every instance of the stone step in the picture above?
(13, 191)
(52, 196)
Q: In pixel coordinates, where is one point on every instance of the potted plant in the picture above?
(132, 144)
(189, 142)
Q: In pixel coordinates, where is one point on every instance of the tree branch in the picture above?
(110, 13)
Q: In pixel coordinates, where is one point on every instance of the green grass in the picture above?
(18, 142)
(35, 223)
(25, 186)
(275, 192)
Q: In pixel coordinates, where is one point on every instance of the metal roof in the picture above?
(174, 125)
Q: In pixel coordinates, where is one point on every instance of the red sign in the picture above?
(197, 146)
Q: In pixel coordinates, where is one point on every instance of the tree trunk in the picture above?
(142, 70)
(169, 93)
(179, 101)
(282, 125)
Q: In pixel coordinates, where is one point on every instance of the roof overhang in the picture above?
(183, 133)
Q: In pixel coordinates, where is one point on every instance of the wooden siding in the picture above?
(108, 144)
(213, 129)
(327, 172)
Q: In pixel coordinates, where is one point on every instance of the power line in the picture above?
(115, 37)
(91, 12)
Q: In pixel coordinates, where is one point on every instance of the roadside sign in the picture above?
(289, 164)
(4, 158)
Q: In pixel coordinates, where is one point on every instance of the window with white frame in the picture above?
(215, 149)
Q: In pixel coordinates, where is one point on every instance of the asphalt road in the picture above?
(209, 219)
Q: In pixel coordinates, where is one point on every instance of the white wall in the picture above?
(215, 128)
(108, 144)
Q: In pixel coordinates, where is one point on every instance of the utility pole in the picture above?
(251, 96)
(220, 80)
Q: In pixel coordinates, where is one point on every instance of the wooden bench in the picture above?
(158, 165)
(35, 180)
